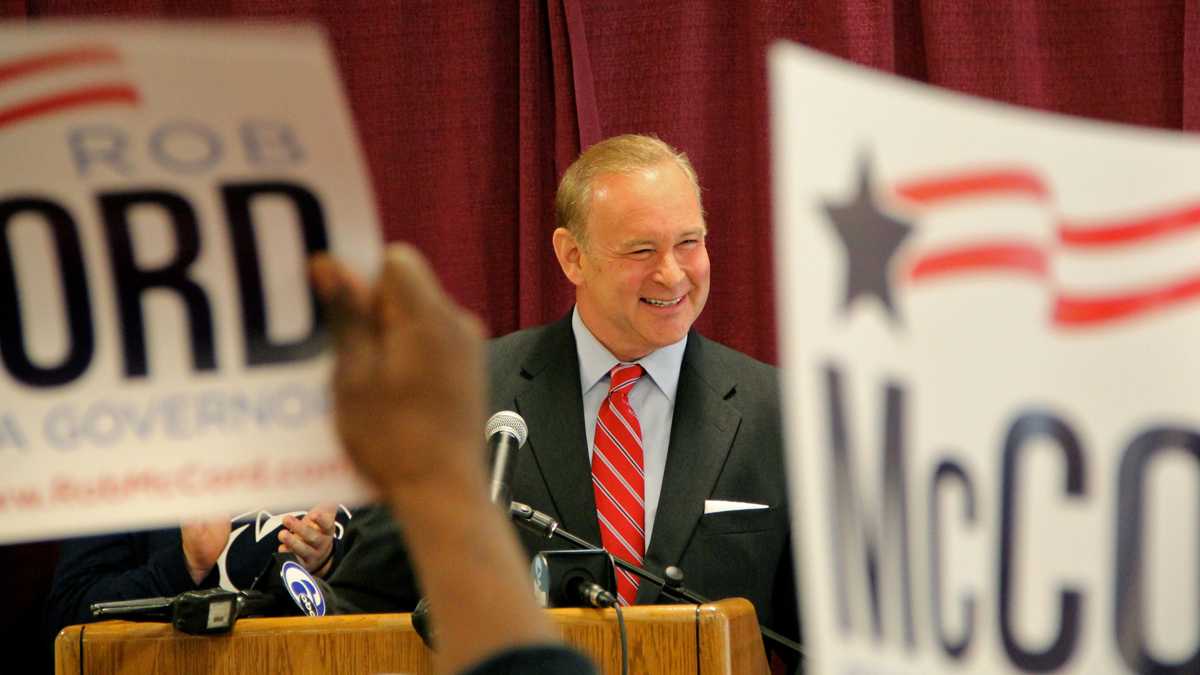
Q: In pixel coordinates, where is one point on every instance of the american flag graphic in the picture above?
(44, 83)
(1047, 260)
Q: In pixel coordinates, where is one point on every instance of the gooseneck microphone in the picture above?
(672, 586)
(506, 433)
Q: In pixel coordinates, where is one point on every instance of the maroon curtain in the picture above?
(469, 111)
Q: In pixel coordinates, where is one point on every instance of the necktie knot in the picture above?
(624, 376)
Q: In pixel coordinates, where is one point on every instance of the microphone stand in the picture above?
(672, 586)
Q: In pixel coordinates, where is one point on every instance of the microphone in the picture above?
(200, 612)
(593, 594)
(423, 623)
(672, 586)
(574, 578)
(506, 433)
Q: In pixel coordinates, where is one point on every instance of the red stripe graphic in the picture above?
(1116, 233)
(75, 98)
(11, 70)
(983, 183)
(1082, 311)
(1021, 258)
(1070, 310)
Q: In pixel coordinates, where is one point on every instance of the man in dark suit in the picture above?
(690, 458)
(694, 444)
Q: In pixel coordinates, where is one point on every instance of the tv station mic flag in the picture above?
(162, 355)
(989, 321)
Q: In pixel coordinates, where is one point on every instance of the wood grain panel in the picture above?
(716, 639)
(66, 650)
(729, 639)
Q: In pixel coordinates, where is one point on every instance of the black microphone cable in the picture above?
(595, 595)
(624, 639)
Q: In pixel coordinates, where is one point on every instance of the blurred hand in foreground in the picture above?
(408, 400)
(408, 380)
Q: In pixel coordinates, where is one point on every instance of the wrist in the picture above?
(461, 484)
(197, 573)
(444, 514)
(322, 570)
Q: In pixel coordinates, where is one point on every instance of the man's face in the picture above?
(642, 279)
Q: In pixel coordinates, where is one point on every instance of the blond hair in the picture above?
(626, 154)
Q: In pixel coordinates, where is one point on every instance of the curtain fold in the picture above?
(587, 117)
(548, 140)
(15, 9)
(1189, 58)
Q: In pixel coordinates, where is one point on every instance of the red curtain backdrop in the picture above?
(469, 111)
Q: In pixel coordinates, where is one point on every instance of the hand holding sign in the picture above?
(408, 403)
(204, 177)
(408, 370)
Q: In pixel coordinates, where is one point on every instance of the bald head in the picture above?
(620, 155)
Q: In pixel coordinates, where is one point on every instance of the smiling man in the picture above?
(643, 435)
(636, 253)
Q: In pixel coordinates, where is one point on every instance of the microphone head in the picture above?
(508, 422)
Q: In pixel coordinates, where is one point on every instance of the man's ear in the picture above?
(569, 255)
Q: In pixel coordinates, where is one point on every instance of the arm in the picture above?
(408, 400)
(130, 566)
(114, 567)
(375, 573)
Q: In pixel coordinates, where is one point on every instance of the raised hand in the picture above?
(407, 381)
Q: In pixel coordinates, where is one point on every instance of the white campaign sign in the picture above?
(163, 356)
(990, 322)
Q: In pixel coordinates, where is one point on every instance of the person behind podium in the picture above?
(167, 562)
(690, 464)
(643, 434)
(408, 405)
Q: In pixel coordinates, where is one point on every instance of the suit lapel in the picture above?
(702, 431)
(552, 405)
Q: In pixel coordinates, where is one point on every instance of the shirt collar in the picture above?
(662, 365)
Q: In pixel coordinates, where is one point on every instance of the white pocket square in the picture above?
(722, 505)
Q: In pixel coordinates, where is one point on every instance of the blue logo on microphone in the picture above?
(303, 589)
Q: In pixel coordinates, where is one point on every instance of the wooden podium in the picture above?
(719, 638)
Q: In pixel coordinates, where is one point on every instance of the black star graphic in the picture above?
(871, 238)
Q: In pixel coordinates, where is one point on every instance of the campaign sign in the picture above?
(162, 355)
(990, 321)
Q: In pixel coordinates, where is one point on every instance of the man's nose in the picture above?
(669, 272)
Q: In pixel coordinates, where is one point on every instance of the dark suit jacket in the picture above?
(726, 443)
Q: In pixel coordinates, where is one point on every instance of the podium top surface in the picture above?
(718, 638)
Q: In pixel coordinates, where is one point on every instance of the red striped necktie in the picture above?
(617, 477)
